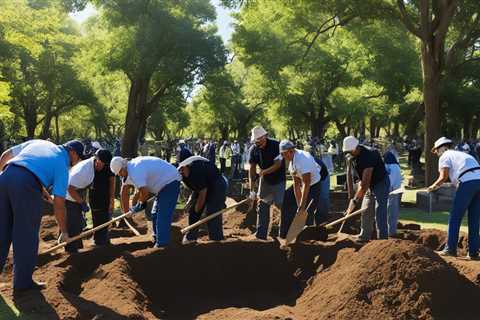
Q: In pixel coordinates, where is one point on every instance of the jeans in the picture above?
(268, 194)
(466, 197)
(75, 225)
(377, 194)
(162, 212)
(393, 212)
(215, 202)
(20, 216)
(289, 208)
(324, 203)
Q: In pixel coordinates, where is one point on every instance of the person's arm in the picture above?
(59, 211)
(200, 203)
(125, 197)
(143, 194)
(252, 173)
(274, 167)
(441, 179)
(111, 188)
(365, 184)
(74, 194)
(306, 179)
(350, 188)
(5, 157)
(47, 195)
(297, 190)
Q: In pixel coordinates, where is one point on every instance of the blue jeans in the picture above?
(324, 203)
(378, 194)
(162, 212)
(215, 202)
(20, 216)
(269, 194)
(466, 197)
(393, 212)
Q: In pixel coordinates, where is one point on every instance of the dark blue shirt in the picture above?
(265, 158)
(203, 174)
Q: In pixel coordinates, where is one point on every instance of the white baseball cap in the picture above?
(440, 142)
(350, 143)
(117, 164)
(286, 145)
(257, 133)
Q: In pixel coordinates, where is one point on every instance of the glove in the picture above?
(63, 238)
(252, 196)
(85, 207)
(138, 207)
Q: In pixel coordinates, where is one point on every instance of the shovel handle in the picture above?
(210, 217)
(351, 215)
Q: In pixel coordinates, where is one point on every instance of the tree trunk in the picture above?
(57, 129)
(396, 129)
(46, 126)
(30, 117)
(137, 103)
(467, 127)
(431, 97)
(373, 126)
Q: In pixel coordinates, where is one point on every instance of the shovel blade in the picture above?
(296, 227)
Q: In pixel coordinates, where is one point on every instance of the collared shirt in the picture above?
(395, 175)
(152, 173)
(203, 174)
(48, 162)
(302, 163)
(369, 158)
(81, 175)
(458, 162)
(265, 158)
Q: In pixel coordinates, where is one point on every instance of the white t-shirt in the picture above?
(458, 162)
(303, 163)
(81, 175)
(152, 173)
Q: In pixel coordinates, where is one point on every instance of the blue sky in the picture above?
(224, 21)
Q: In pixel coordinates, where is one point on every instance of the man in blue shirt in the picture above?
(40, 164)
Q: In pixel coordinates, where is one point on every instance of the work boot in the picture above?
(186, 241)
(446, 253)
(35, 286)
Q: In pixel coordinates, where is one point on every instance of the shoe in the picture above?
(360, 239)
(186, 241)
(36, 286)
(446, 253)
(475, 257)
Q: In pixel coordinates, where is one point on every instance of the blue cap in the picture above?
(76, 146)
(286, 145)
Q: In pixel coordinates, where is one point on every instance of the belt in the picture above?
(467, 171)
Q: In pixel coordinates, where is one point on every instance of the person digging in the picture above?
(374, 186)
(463, 171)
(209, 195)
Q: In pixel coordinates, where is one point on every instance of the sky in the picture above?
(224, 20)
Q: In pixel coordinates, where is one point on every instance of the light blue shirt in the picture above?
(48, 162)
(395, 175)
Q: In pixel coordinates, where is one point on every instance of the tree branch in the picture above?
(406, 20)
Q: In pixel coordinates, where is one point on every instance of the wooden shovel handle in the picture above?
(351, 215)
(210, 217)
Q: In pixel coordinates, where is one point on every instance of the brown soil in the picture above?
(238, 279)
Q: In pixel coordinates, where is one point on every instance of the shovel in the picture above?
(89, 232)
(297, 225)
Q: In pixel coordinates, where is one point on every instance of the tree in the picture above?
(162, 46)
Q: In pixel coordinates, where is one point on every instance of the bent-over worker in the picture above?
(150, 175)
(209, 195)
(41, 164)
(463, 171)
(374, 183)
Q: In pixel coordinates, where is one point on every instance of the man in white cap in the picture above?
(209, 194)
(464, 171)
(150, 175)
(266, 154)
(374, 186)
(306, 173)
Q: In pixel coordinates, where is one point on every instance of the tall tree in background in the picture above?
(162, 47)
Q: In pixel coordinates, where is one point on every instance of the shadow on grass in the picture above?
(437, 220)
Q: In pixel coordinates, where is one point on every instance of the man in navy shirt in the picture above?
(374, 182)
(40, 164)
(265, 153)
(209, 194)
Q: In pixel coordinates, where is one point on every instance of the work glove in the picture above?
(138, 207)
(85, 207)
(253, 195)
(63, 237)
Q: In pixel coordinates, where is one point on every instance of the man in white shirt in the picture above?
(150, 175)
(307, 184)
(463, 171)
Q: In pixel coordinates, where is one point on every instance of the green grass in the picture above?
(9, 311)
